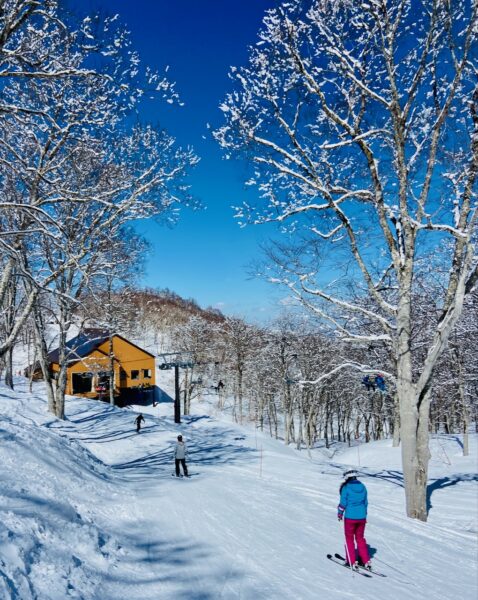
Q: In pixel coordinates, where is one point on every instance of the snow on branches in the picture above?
(359, 120)
(74, 170)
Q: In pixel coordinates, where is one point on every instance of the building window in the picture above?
(147, 373)
(134, 374)
(82, 383)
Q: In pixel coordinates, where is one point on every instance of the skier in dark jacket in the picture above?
(180, 453)
(353, 509)
(368, 383)
(139, 419)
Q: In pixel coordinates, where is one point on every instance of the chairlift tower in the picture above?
(176, 361)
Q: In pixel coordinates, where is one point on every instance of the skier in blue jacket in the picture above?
(353, 509)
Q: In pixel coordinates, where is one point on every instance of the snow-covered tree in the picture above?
(361, 122)
(240, 340)
(199, 339)
(72, 166)
(455, 386)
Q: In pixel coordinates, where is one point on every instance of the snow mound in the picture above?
(50, 545)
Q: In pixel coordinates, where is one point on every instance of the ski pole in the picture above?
(347, 552)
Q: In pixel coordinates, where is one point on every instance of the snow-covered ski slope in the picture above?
(88, 510)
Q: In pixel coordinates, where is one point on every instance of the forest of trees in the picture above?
(287, 377)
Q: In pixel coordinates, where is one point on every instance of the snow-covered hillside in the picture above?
(88, 509)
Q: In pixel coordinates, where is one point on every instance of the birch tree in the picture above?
(360, 122)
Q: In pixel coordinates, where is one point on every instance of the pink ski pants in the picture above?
(354, 534)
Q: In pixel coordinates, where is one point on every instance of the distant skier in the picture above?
(180, 453)
(380, 382)
(368, 383)
(139, 419)
(219, 387)
(353, 506)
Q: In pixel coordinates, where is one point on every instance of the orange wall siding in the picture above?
(131, 359)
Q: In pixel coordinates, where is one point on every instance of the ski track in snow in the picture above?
(89, 510)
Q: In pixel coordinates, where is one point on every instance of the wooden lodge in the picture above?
(89, 366)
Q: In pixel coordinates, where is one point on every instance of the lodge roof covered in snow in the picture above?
(84, 343)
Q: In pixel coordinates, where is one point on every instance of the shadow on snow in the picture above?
(213, 450)
(444, 482)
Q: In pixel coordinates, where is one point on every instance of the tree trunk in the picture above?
(423, 454)
(60, 387)
(111, 375)
(326, 423)
(358, 420)
(367, 428)
(415, 450)
(269, 410)
(378, 419)
(396, 422)
(239, 396)
(466, 447)
(309, 427)
(9, 306)
(289, 433)
(8, 361)
(414, 411)
(260, 411)
(466, 417)
(42, 353)
(60, 392)
(273, 416)
(300, 425)
(32, 363)
(331, 426)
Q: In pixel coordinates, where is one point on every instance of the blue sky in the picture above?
(205, 256)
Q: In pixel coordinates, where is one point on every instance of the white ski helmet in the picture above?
(349, 474)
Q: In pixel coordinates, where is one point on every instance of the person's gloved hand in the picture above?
(340, 517)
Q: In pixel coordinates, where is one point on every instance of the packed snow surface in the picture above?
(89, 510)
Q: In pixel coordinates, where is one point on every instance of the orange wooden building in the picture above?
(89, 366)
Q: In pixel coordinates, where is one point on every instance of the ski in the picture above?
(340, 557)
(342, 564)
